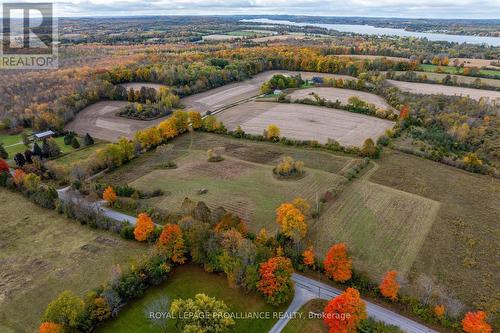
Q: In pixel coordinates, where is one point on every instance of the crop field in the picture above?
(100, 121)
(343, 95)
(305, 122)
(432, 89)
(43, 253)
(139, 85)
(460, 254)
(186, 282)
(229, 94)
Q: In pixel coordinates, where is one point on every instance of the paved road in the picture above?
(307, 289)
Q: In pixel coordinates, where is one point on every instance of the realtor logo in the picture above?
(29, 36)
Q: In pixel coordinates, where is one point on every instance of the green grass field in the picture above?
(186, 282)
(78, 155)
(457, 258)
(14, 144)
(307, 323)
(43, 253)
(460, 78)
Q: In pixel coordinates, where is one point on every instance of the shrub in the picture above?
(288, 168)
(88, 140)
(75, 143)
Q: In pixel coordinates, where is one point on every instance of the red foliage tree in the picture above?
(48, 327)
(275, 283)
(144, 227)
(4, 167)
(344, 313)
(404, 112)
(337, 264)
(475, 322)
(171, 243)
(390, 287)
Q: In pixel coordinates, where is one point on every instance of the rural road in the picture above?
(306, 289)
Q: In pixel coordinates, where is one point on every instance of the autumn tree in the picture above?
(439, 311)
(369, 149)
(337, 264)
(168, 129)
(171, 243)
(66, 310)
(48, 327)
(195, 119)
(309, 257)
(4, 167)
(344, 313)
(109, 195)
(303, 205)
(390, 287)
(273, 132)
(19, 176)
(404, 112)
(275, 280)
(144, 227)
(220, 321)
(475, 322)
(291, 221)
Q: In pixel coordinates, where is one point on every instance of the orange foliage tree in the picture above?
(439, 311)
(309, 257)
(475, 322)
(344, 313)
(404, 112)
(390, 287)
(48, 327)
(291, 221)
(337, 264)
(275, 280)
(168, 129)
(144, 227)
(171, 243)
(109, 195)
(19, 176)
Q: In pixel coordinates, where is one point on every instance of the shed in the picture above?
(43, 135)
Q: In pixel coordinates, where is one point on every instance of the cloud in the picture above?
(390, 8)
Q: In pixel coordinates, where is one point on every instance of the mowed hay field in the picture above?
(436, 89)
(43, 253)
(384, 228)
(306, 122)
(461, 253)
(248, 189)
(460, 78)
(343, 95)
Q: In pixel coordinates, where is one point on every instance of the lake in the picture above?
(371, 30)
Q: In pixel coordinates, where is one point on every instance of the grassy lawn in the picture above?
(79, 155)
(43, 253)
(458, 255)
(305, 323)
(455, 70)
(14, 144)
(186, 282)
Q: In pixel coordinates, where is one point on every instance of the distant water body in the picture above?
(371, 30)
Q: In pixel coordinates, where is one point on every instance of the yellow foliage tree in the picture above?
(195, 119)
(168, 129)
(273, 132)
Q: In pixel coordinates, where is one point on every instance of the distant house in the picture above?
(277, 92)
(43, 135)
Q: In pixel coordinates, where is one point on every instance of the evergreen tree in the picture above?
(88, 140)
(75, 143)
(20, 160)
(3, 152)
(37, 151)
(28, 155)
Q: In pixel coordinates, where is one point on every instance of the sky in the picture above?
(473, 9)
